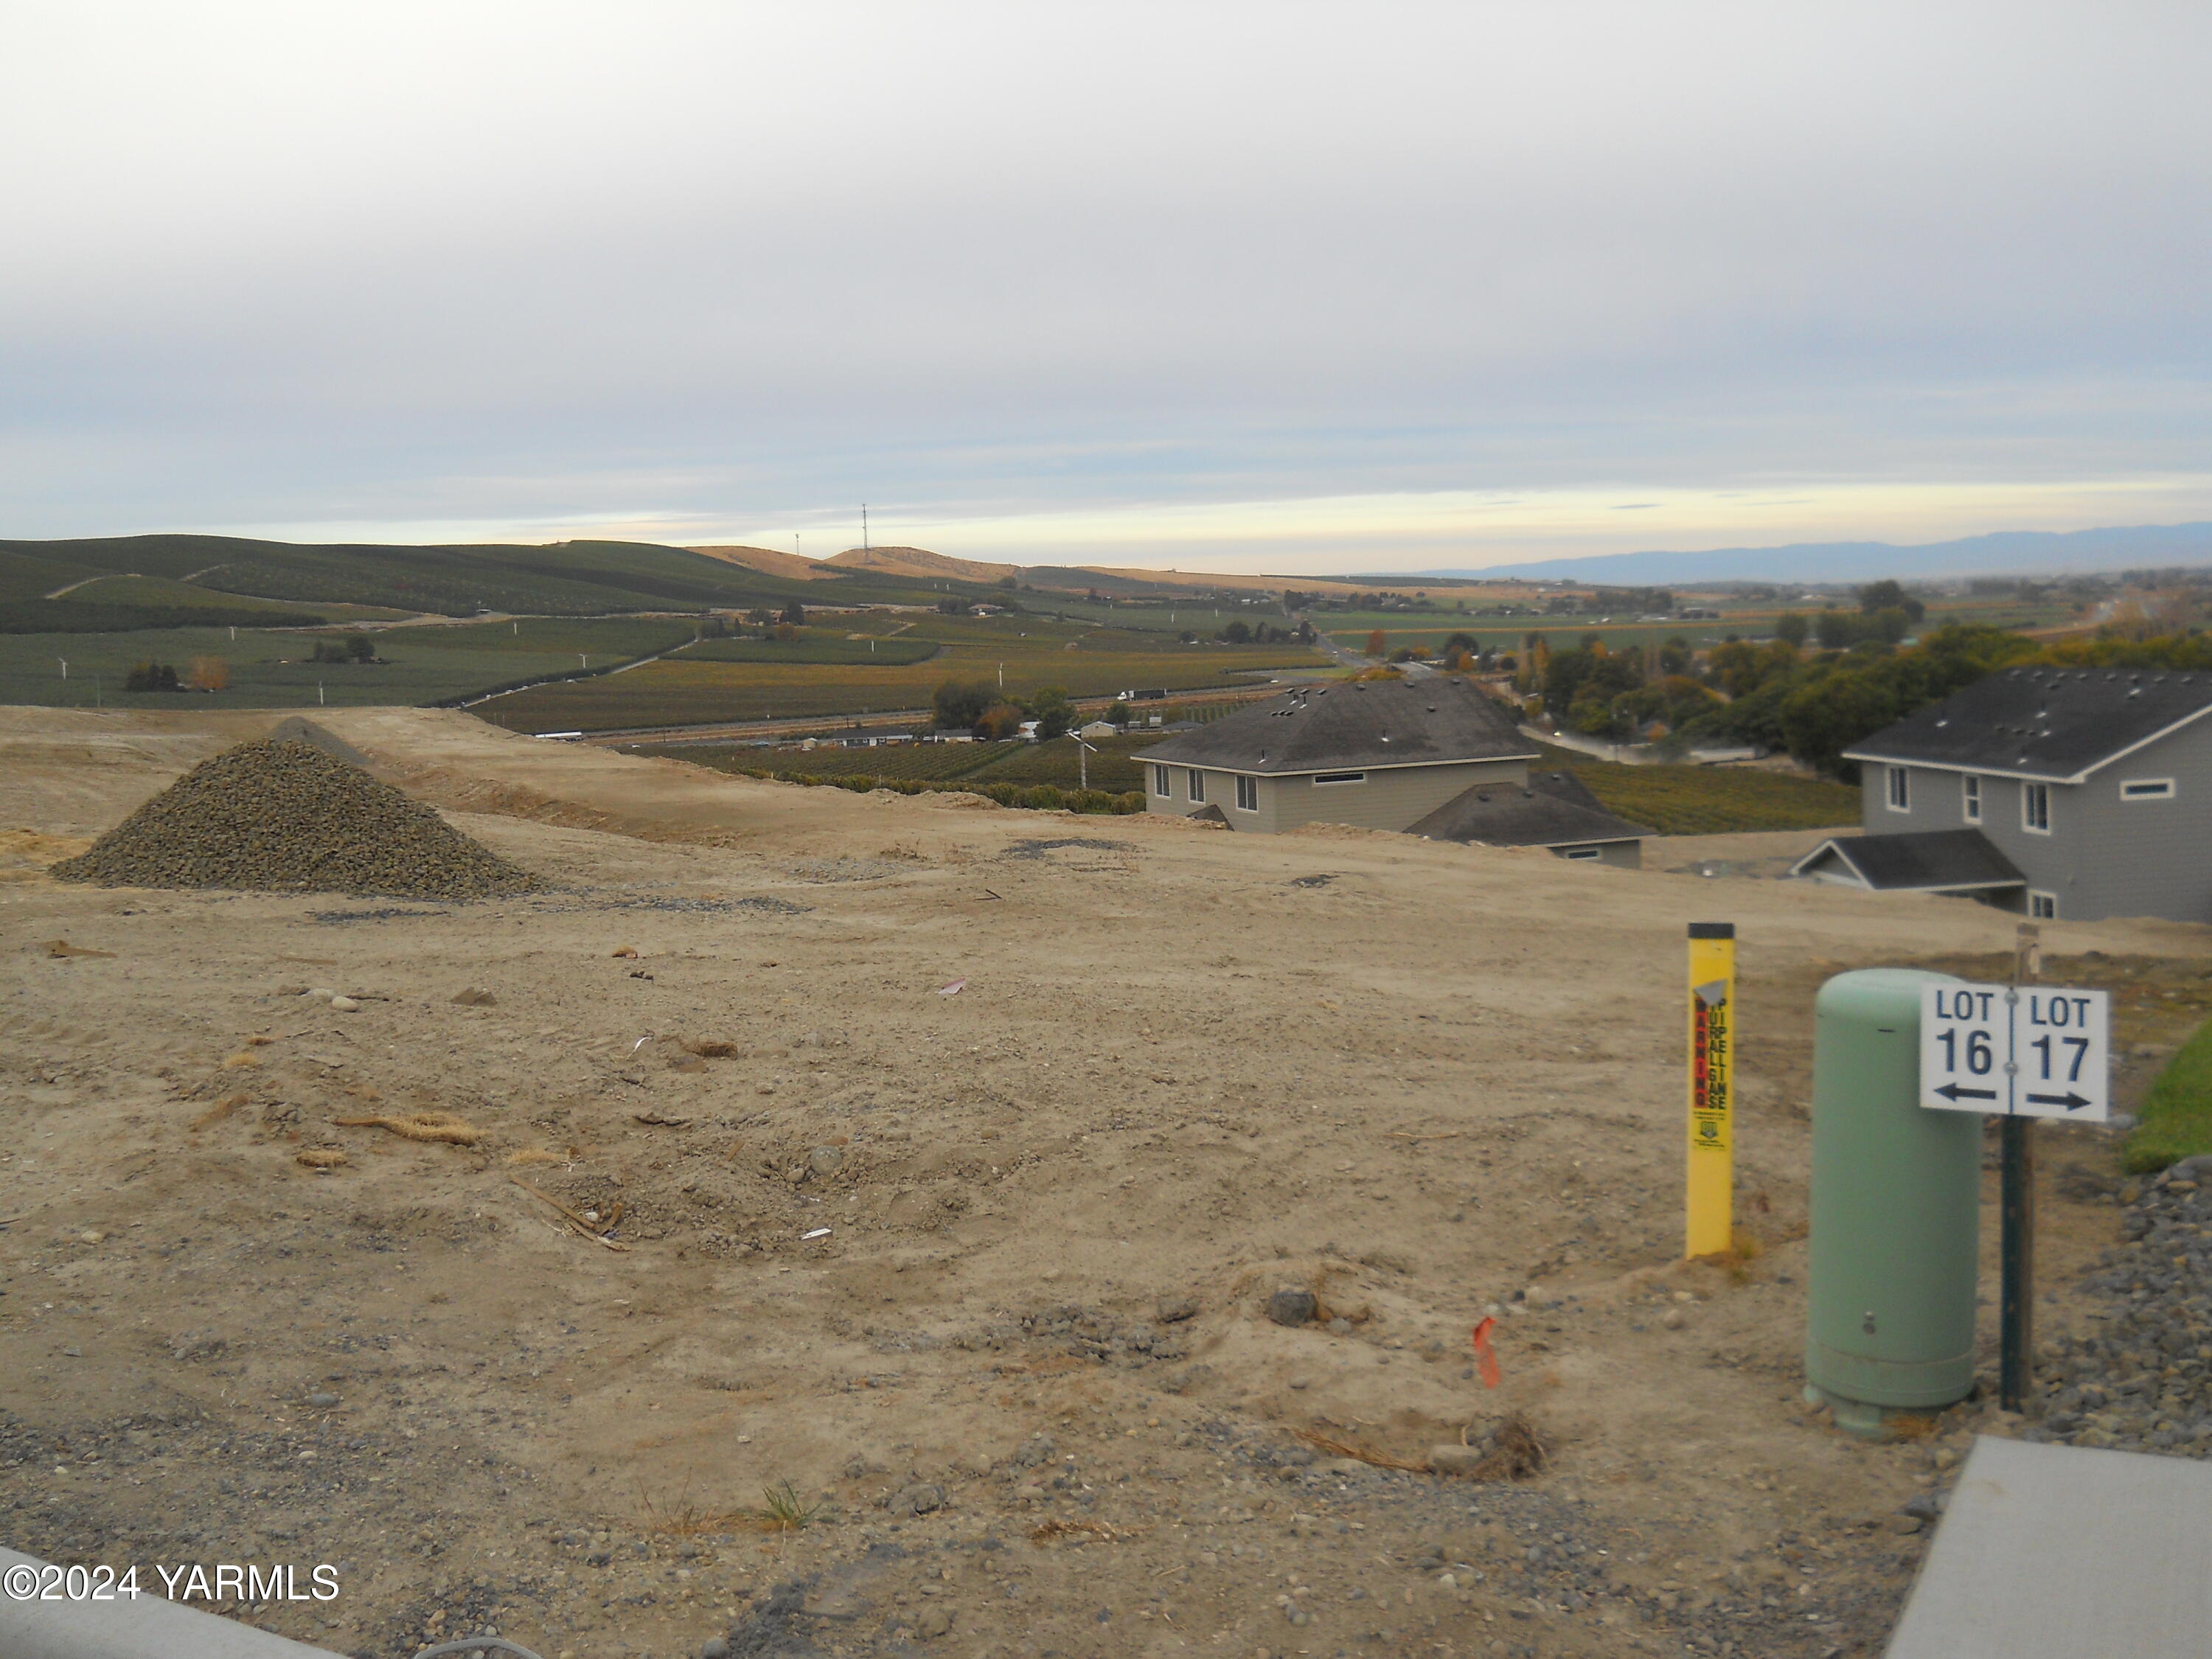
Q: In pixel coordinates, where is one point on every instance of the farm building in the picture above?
(2062, 792)
(1381, 755)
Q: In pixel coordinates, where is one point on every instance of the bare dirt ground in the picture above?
(1007, 1125)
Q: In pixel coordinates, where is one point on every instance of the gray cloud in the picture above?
(524, 264)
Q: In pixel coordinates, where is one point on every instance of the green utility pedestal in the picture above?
(1896, 1211)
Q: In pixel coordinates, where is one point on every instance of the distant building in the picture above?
(2064, 793)
(1555, 810)
(1383, 755)
(1098, 729)
(874, 737)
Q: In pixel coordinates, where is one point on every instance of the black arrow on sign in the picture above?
(1953, 1091)
(2070, 1100)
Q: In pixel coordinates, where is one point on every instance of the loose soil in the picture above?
(940, 1161)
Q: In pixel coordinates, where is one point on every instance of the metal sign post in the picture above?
(1711, 1216)
(2021, 1052)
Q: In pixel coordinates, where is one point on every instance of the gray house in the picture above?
(1380, 754)
(1555, 810)
(2066, 793)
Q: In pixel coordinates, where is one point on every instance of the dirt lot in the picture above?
(1072, 1098)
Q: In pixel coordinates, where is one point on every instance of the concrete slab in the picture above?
(2059, 1553)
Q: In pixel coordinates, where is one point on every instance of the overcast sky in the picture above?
(1273, 286)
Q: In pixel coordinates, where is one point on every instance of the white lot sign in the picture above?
(2018, 1050)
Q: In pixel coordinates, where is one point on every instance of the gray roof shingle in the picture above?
(1553, 810)
(2053, 724)
(1350, 726)
(1929, 860)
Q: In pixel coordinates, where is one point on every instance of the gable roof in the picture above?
(1924, 861)
(1362, 725)
(2051, 725)
(1554, 809)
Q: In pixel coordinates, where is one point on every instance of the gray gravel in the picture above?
(279, 817)
(2145, 1384)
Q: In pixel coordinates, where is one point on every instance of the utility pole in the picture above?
(63, 661)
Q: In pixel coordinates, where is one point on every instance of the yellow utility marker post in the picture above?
(1711, 1173)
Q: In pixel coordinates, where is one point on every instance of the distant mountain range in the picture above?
(2007, 552)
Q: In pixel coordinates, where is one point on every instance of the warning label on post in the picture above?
(1712, 1067)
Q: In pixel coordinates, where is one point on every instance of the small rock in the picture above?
(917, 1500)
(322, 1399)
(1673, 1319)
(1174, 1309)
(1454, 1459)
(1903, 1525)
(933, 1623)
(629, 951)
(714, 1647)
(825, 1160)
(344, 1005)
(1292, 1305)
(472, 996)
(1921, 1506)
(1340, 1325)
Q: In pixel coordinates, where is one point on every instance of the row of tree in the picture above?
(204, 674)
(984, 709)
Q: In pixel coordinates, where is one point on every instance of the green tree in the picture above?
(1889, 595)
(1052, 711)
(960, 704)
(795, 614)
(1793, 628)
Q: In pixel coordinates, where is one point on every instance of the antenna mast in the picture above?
(864, 526)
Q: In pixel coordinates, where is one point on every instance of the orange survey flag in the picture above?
(1484, 1357)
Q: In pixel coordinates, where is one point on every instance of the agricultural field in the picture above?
(1402, 634)
(823, 644)
(1711, 801)
(577, 579)
(268, 668)
(1023, 654)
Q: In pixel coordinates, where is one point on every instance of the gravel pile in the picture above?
(2146, 1383)
(279, 817)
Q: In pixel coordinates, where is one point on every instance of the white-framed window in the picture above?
(1970, 796)
(1579, 852)
(1248, 793)
(1339, 777)
(2147, 789)
(2043, 907)
(1160, 785)
(1900, 790)
(1195, 784)
(2035, 808)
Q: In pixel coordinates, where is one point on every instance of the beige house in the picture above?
(1432, 757)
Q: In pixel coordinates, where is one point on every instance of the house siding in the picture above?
(2105, 856)
(1619, 854)
(2154, 858)
(1392, 798)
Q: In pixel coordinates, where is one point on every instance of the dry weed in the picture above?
(710, 1048)
(321, 1158)
(441, 1127)
(1518, 1452)
(222, 1109)
(533, 1155)
(1335, 1448)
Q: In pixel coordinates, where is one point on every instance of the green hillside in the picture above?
(573, 579)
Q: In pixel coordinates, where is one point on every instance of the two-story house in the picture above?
(1383, 755)
(2065, 792)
